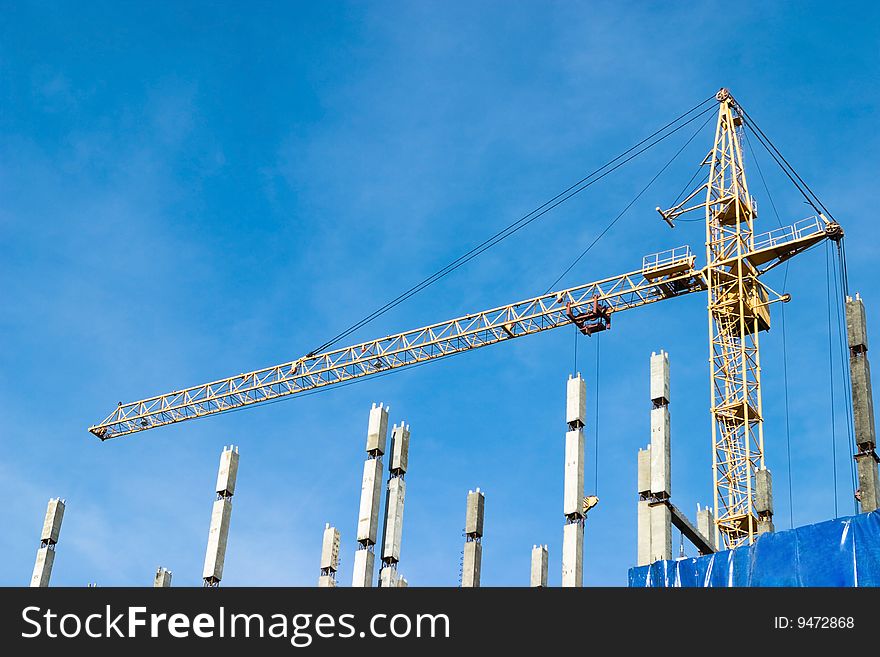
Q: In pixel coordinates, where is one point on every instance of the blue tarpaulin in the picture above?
(840, 552)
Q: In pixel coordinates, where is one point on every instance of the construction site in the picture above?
(734, 538)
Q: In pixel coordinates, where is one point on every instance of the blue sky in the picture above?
(192, 190)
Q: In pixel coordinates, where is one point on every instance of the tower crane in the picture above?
(738, 304)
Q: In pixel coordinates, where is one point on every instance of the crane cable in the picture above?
(831, 375)
(843, 353)
(840, 277)
(628, 205)
(787, 420)
(805, 190)
(596, 424)
(588, 180)
(784, 341)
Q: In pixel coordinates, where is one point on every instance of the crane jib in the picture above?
(588, 306)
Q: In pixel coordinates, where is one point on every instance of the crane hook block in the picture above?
(596, 318)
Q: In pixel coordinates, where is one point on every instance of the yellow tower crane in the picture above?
(738, 304)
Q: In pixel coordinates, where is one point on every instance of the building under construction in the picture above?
(735, 535)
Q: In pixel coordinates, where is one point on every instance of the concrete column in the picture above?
(869, 482)
(654, 474)
(661, 532)
(43, 567)
(471, 565)
(573, 555)
(473, 532)
(48, 540)
(661, 461)
(371, 494)
(661, 454)
(661, 458)
(218, 537)
(573, 494)
(573, 487)
(706, 525)
(221, 514)
(764, 500)
(362, 570)
(540, 562)
(866, 458)
(162, 580)
(329, 557)
(389, 578)
(643, 479)
(392, 530)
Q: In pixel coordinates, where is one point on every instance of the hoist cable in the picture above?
(846, 383)
(596, 424)
(760, 134)
(787, 421)
(831, 376)
(626, 156)
(628, 206)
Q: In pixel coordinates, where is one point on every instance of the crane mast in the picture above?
(737, 314)
(738, 306)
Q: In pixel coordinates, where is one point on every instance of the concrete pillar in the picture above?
(43, 567)
(392, 530)
(471, 564)
(329, 556)
(573, 494)
(573, 487)
(643, 477)
(868, 494)
(661, 459)
(643, 528)
(661, 532)
(643, 538)
(389, 578)
(764, 500)
(48, 539)
(475, 515)
(377, 429)
(706, 525)
(371, 494)
(362, 570)
(221, 514)
(399, 449)
(473, 531)
(162, 580)
(573, 555)
(866, 458)
(540, 562)
(654, 474)
(218, 537)
(576, 402)
(660, 516)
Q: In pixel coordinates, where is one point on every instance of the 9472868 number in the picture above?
(814, 623)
